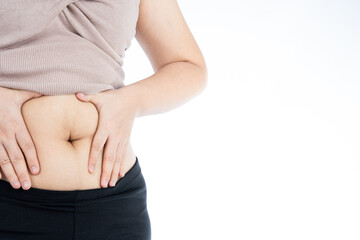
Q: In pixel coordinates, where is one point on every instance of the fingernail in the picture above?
(34, 170)
(112, 183)
(17, 184)
(104, 183)
(91, 168)
(26, 184)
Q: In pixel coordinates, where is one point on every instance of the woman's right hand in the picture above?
(14, 137)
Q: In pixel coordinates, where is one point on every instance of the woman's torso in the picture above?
(62, 128)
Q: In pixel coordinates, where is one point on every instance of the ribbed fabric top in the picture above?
(57, 47)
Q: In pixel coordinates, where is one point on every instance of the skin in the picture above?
(180, 75)
(14, 138)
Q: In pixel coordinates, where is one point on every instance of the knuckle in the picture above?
(118, 160)
(109, 158)
(14, 123)
(103, 132)
(23, 176)
(105, 128)
(121, 139)
(17, 159)
(4, 161)
(119, 133)
(29, 147)
(97, 147)
(4, 136)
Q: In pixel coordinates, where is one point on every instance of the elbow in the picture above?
(201, 63)
(203, 76)
(201, 73)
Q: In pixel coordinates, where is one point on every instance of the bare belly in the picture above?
(62, 128)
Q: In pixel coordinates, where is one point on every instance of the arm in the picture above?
(180, 74)
(180, 69)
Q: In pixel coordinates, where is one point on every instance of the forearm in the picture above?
(171, 86)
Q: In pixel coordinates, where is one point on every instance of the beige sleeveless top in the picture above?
(57, 47)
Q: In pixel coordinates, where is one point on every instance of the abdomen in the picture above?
(62, 128)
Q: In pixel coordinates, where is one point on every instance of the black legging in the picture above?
(118, 212)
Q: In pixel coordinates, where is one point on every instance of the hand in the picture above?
(117, 111)
(15, 135)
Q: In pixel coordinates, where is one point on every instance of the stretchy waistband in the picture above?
(44, 195)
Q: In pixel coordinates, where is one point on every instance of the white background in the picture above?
(270, 149)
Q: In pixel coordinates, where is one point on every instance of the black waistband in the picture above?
(44, 195)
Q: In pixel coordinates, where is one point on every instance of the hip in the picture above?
(119, 212)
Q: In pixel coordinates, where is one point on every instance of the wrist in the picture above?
(131, 94)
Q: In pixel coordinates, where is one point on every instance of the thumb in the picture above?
(35, 94)
(26, 95)
(83, 97)
(93, 98)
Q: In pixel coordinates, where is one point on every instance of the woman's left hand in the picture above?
(117, 111)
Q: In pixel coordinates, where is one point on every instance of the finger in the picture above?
(8, 169)
(122, 162)
(108, 160)
(26, 143)
(116, 169)
(96, 148)
(18, 162)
